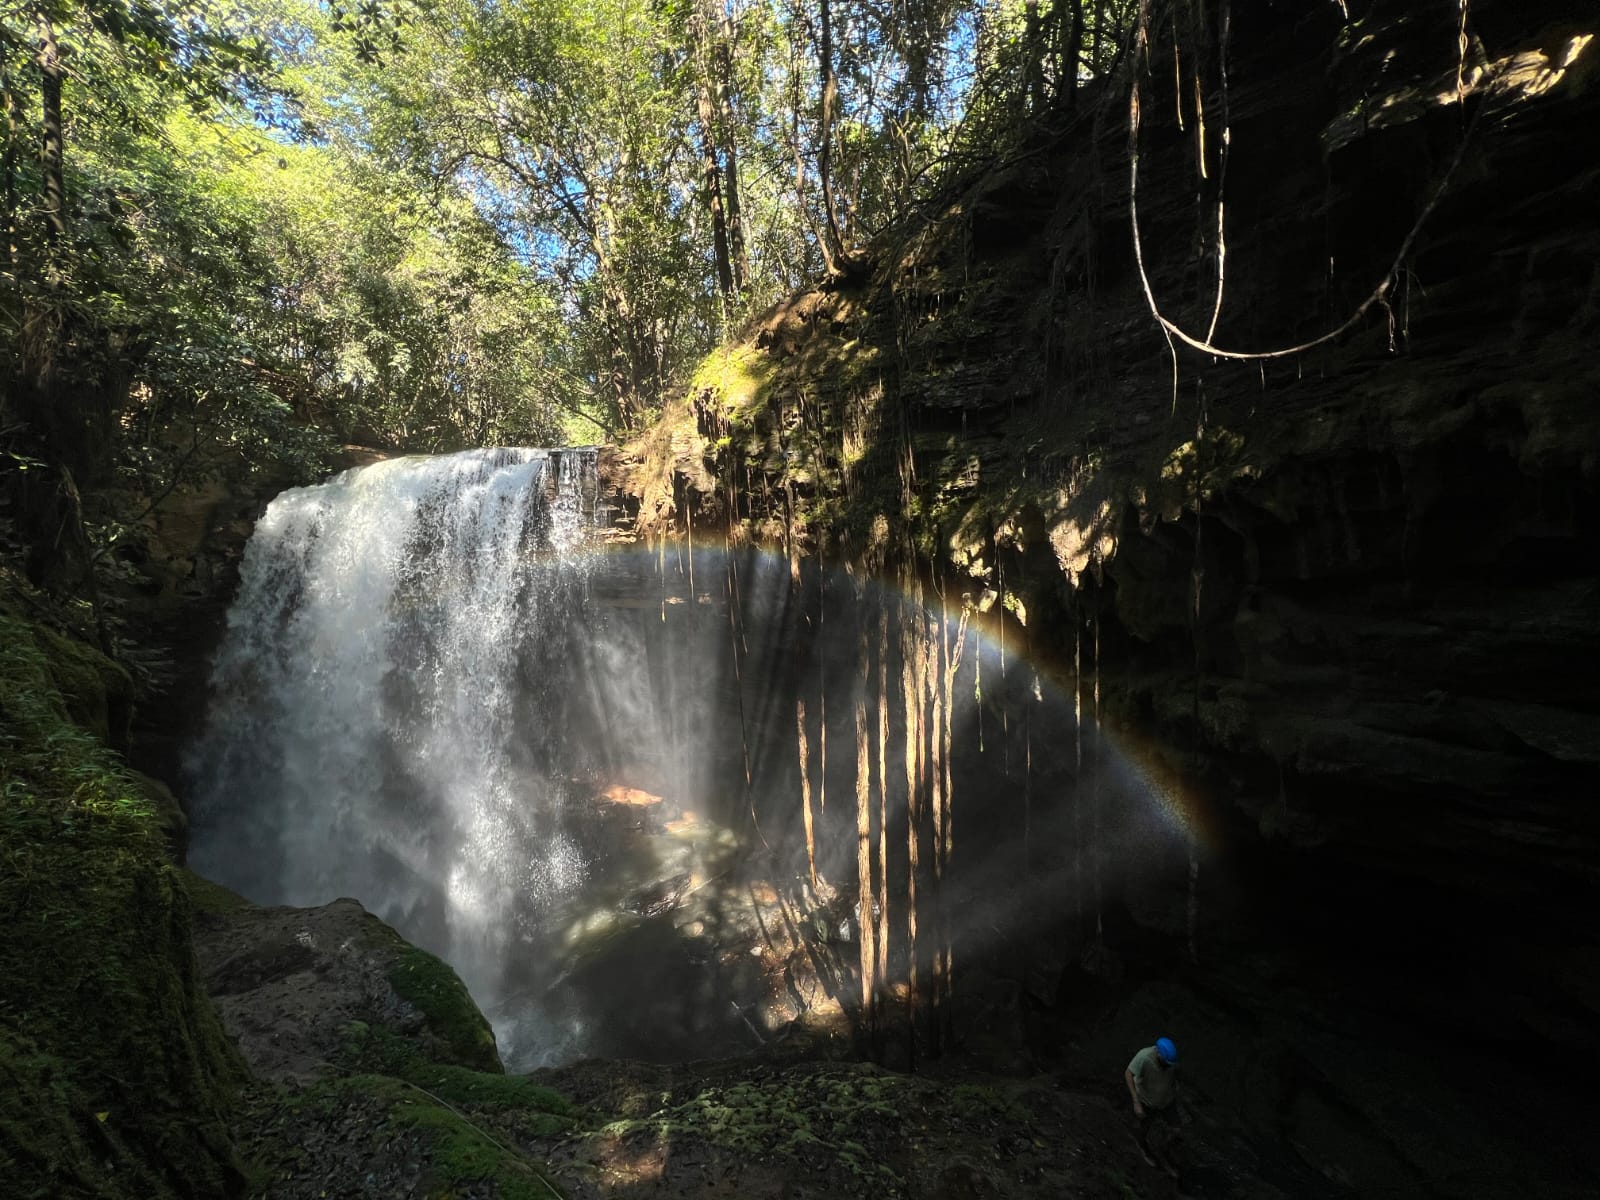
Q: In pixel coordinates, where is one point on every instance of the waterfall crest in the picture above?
(391, 718)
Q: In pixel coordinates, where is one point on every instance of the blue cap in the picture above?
(1166, 1051)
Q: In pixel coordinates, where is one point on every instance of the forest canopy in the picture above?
(241, 233)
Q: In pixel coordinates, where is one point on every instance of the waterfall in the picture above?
(395, 715)
(573, 775)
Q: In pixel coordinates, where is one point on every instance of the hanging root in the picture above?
(1380, 293)
(1224, 33)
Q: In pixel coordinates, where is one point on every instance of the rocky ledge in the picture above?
(291, 983)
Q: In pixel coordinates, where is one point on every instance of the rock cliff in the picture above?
(1346, 596)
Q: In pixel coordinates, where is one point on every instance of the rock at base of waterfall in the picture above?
(291, 983)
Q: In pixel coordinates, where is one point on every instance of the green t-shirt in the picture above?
(1155, 1084)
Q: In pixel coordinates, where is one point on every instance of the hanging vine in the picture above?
(1379, 295)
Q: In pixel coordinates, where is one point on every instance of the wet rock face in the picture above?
(1386, 698)
(1400, 660)
(179, 578)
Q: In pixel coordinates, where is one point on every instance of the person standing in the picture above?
(1152, 1079)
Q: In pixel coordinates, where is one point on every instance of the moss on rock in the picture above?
(290, 983)
(438, 993)
(461, 1153)
(96, 693)
(165, 808)
(823, 1114)
(211, 899)
(381, 1136)
(117, 1078)
(735, 377)
(374, 1050)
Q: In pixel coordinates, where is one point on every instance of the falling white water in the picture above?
(560, 771)
(391, 718)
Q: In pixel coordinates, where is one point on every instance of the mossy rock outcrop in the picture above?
(380, 1074)
(116, 1079)
(291, 983)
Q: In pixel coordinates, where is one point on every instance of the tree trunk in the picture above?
(832, 244)
(1032, 57)
(1069, 28)
(711, 166)
(730, 154)
(719, 225)
(12, 306)
(1098, 62)
(51, 157)
(918, 57)
(8, 170)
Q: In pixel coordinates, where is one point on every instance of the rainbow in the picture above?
(1134, 763)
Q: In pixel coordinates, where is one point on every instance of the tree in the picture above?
(200, 281)
(140, 60)
(568, 123)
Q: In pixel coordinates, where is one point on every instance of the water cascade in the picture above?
(570, 768)
(412, 704)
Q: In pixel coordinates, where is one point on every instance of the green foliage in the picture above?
(117, 1079)
(457, 224)
(424, 981)
(98, 79)
(228, 291)
(567, 124)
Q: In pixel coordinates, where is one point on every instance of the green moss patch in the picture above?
(437, 991)
(380, 1131)
(736, 376)
(495, 1092)
(96, 693)
(462, 1153)
(374, 1051)
(115, 1076)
